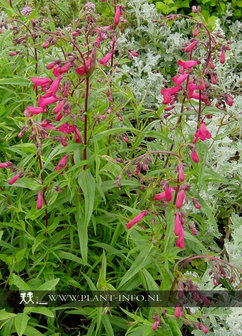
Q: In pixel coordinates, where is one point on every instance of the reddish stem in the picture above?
(198, 257)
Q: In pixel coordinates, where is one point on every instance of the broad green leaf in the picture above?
(4, 315)
(49, 285)
(87, 184)
(39, 310)
(21, 321)
(31, 331)
(19, 282)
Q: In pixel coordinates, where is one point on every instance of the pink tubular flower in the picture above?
(187, 64)
(106, 58)
(46, 124)
(54, 87)
(31, 110)
(222, 56)
(39, 200)
(180, 79)
(177, 227)
(191, 46)
(181, 176)
(211, 65)
(117, 16)
(133, 53)
(168, 194)
(159, 197)
(155, 325)
(50, 65)
(78, 137)
(134, 221)
(5, 164)
(195, 31)
(192, 229)
(202, 133)
(229, 100)
(42, 102)
(202, 84)
(196, 203)
(203, 328)
(40, 82)
(65, 128)
(180, 199)
(58, 107)
(167, 93)
(178, 311)
(84, 68)
(194, 156)
(61, 163)
(180, 240)
(213, 78)
(15, 178)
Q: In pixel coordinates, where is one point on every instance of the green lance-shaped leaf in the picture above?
(87, 184)
(21, 321)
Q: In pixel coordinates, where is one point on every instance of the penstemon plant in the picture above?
(94, 154)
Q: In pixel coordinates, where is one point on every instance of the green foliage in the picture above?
(210, 8)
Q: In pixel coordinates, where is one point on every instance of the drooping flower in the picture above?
(54, 86)
(186, 64)
(168, 193)
(78, 137)
(213, 78)
(191, 46)
(5, 164)
(222, 56)
(180, 199)
(58, 107)
(181, 175)
(117, 16)
(194, 156)
(43, 82)
(195, 31)
(202, 84)
(106, 58)
(65, 128)
(178, 311)
(202, 133)
(133, 53)
(180, 240)
(15, 178)
(211, 65)
(177, 227)
(42, 102)
(61, 164)
(31, 110)
(155, 325)
(134, 221)
(39, 200)
(180, 79)
(229, 100)
(203, 328)
(196, 203)
(168, 93)
(159, 197)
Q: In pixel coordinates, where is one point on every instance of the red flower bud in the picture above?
(39, 200)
